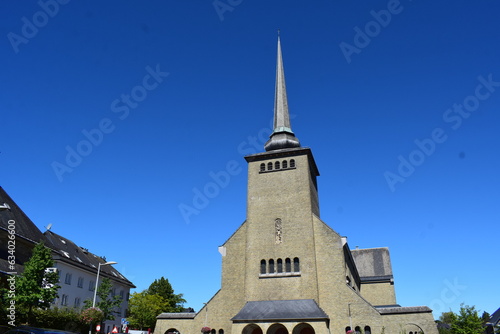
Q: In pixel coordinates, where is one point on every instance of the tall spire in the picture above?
(282, 136)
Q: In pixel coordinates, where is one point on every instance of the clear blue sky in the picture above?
(399, 101)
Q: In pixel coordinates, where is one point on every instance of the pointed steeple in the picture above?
(282, 136)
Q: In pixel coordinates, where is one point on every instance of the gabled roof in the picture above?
(495, 318)
(271, 310)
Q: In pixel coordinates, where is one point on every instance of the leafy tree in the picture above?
(467, 321)
(163, 288)
(35, 287)
(107, 303)
(446, 317)
(144, 308)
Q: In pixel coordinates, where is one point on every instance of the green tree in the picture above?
(144, 308)
(163, 288)
(467, 321)
(36, 287)
(107, 302)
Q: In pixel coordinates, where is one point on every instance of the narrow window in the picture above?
(262, 167)
(368, 330)
(347, 329)
(80, 282)
(357, 329)
(288, 265)
(67, 280)
(277, 165)
(285, 164)
(271, 266)
(64, 300)
(280, 266)
(292, 163)
(270, 166)
(91, 285)
(262, 266)
(296, 265)
(221, 331)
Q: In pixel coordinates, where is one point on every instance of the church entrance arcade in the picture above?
(278, 328)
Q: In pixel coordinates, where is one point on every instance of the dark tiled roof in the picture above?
(403, 310)
(495, 317)
(25, 228)
(70, 252)
(183, 315)
(281, 310)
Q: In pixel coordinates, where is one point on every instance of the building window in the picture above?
(271, 266)
(347, 329)
(122, 294)
(277, 165)
(64, 300)
(67, 280)
(280, 265)
(368, 330)
(296, 265)
(77, 302)
(262, 266)
(270, 166)
(288, 265)
(285, 164)
(80, 282)
(262, 167)
(91, 285)
(292, 163)
(221, 331)
(357, 329)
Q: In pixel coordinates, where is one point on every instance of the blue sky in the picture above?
(115, 115)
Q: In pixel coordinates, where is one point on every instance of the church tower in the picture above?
(282, 199)
(285, 271)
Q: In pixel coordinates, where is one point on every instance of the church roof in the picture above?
(402, 310)
(373, 264)
(282, 136)
(299, 309)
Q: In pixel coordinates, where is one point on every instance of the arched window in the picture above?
(263, 266)
(262, 167)
(285, 164)
(277, 165)
(271, 266)
(357, 330)
(213, 331)
(270, 166)
(292, 163)
(221, 331)
(347, 329)
(368, 330)
(288, 265)
(296, 265)
(280, 265)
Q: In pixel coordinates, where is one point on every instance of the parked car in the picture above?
(35, 330)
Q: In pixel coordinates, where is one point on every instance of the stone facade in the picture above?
(285, 271)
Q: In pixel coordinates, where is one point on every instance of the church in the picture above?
(284, 270)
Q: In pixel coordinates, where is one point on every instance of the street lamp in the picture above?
(97, 278)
